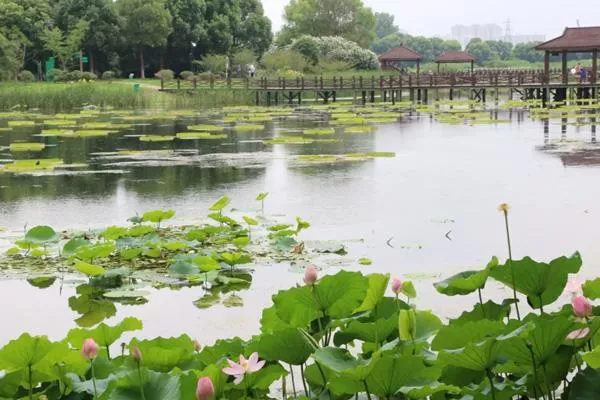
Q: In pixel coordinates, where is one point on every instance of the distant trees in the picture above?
(526, 51)
(349, 19)
(384, 25)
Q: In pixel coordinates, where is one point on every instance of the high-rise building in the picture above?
(464, 33)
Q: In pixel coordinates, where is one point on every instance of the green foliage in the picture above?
(284, 60)
(384, 25)
(214, 63)
(26, 76)
(165, 74)
(349, 19)
(308, 48)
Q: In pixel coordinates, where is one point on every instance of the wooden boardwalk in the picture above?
(528, 84)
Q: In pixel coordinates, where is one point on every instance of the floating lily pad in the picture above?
(156, 138)
(199, 135)
(23, 147)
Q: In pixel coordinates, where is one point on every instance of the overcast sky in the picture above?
(435, 17)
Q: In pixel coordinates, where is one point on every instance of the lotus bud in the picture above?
(136, 354)
(197, 345)
(205, 389)
(396, 285)
(581, 306)
(310, 275)
(90, 349)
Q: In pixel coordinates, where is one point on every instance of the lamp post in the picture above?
(193, 46)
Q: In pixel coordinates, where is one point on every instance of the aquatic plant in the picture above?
(199, 135)
(22, 147)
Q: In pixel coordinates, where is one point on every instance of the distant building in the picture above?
(464, 34)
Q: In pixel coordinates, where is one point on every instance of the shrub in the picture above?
(186, 75)
(89, 76)
(306, 46)
(60, 75)
(213, 63)
(329, 65)
(205, 76)
(26, 76)
(285, 60)
(108, 75)
(75, 76)
(339, 49)
(165, 74)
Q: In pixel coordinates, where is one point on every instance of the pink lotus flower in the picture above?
(574, 287)
(248, 366)
(581, 306)
(197, 345)
(578, 334)
(90, 349)
(136, 354)
(205, 389)
(310, 275)
(396, 285)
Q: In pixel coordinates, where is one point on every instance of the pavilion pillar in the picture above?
(595, 66)
(565, 70)
(438, 67)
(472, 66)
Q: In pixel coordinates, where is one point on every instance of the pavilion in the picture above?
(573, 40)
(399, 54)
(455, 57)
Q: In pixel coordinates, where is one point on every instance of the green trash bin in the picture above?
(136, 87)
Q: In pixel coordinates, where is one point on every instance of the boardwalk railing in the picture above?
(480, 78)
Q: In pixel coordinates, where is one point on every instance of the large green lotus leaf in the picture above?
(287, 345)
(426, 325)
(223, 219)
(183, 268)
(481, 355)
(270, 321)
(23, 352)
(542, 283)
(220, 204)
(263, 379)
(158, 216)
(465, 282)
(340, 294)
(206, 263)
(114, 232)
(250, 221)
(392, 372)
(591, 289)
(41, 235)
(374, 332)
(458, 336)
(262, 196)
(103, 334)
(101, 250)
(424, 390)
(164, 354)
(585, 385)
(89, 269)
(87, 386)
(341, 362)
(460, 377)
(489, 310)
(296, 306)
(235, 258)
(407, 325)
(506, 390)
(546, 337)
(9, 384)
(72, 245)
(156, 386)
(377, 286)
(221, 350)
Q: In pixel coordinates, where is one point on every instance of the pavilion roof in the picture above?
(401, 53)
(573, 40)
(454, 57)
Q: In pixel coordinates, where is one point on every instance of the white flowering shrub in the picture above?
(336, 48)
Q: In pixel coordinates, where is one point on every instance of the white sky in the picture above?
(435, 17)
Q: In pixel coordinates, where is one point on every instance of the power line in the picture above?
(507, 31)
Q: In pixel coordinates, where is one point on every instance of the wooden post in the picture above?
(438, 67)
(594, 66)
(472, 66)
(565, 72)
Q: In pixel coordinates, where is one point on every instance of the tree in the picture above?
(527, 51)
(189, 29)
(103, 36)
(384, 25)
(349, 19)
(148, 23)
(480, 50)
(500, 49)
(64, 45)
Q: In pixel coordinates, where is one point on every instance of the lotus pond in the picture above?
(151, 229)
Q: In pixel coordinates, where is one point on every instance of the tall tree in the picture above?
(63, 45)
(349, 19)
(480, 50)
(527, 51)
(384, 25)
(103, 37)
(147, 23)
(189, 29)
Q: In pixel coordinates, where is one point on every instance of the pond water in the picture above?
(429, 212)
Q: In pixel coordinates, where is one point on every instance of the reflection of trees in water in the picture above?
(176, 180)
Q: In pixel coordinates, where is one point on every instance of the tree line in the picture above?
(148, 35)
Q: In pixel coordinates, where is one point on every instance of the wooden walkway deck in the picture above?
(527, 83)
